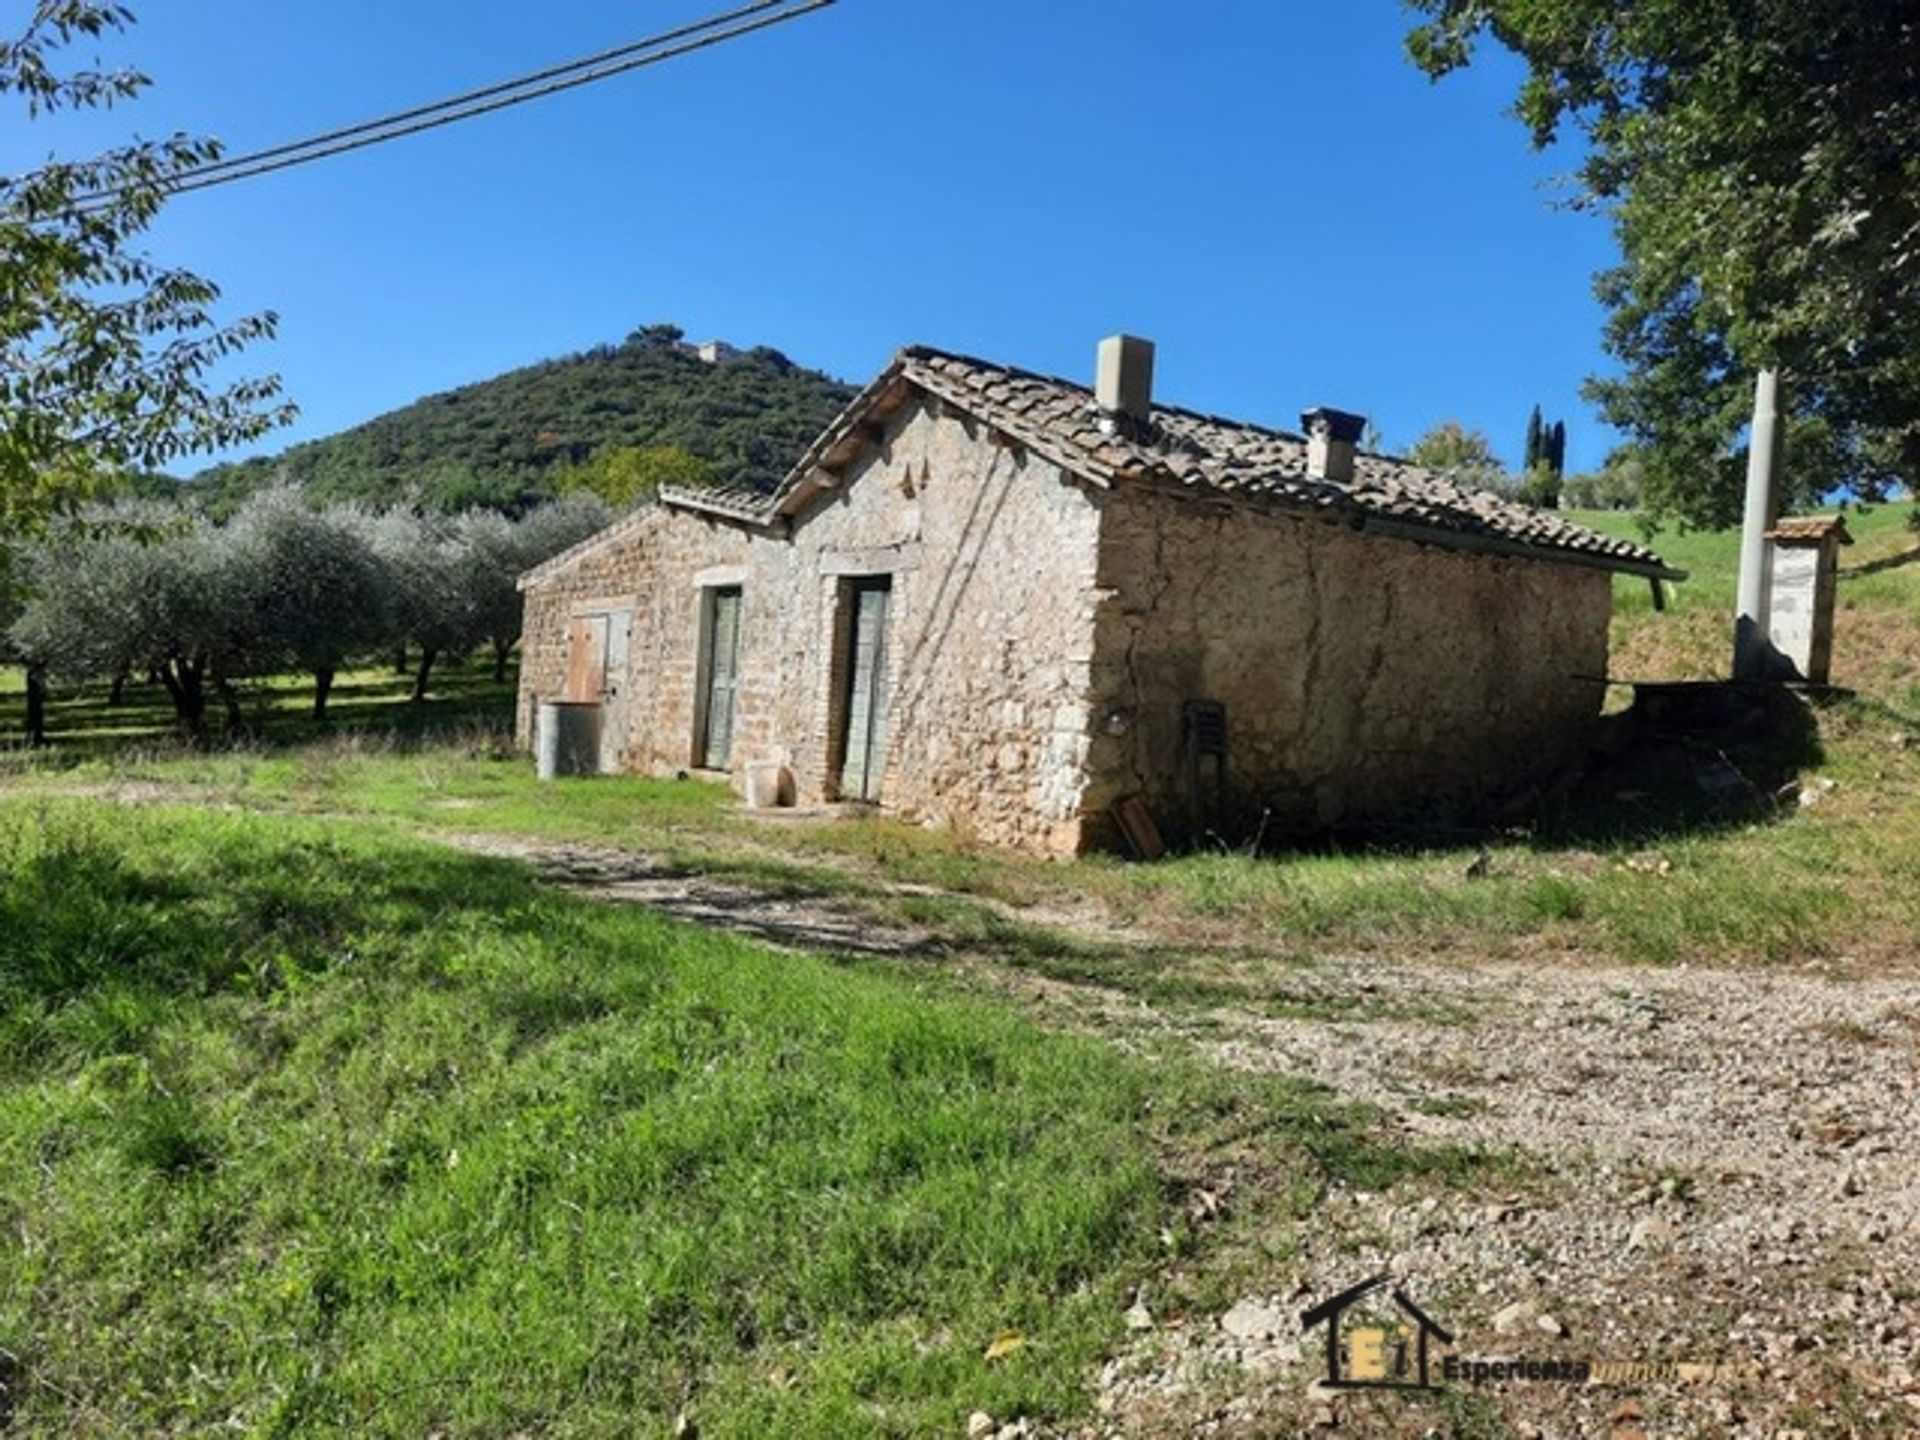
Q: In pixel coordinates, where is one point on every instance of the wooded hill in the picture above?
(508, 442)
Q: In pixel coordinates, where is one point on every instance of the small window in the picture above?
(1203, 725)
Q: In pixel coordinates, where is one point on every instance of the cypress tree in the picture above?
(1556, 456)
(1535, 439)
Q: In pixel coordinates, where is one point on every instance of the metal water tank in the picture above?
(566, 738)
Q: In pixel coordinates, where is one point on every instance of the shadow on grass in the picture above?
(1879, 566)
(1688, 759)
(85, 724)
(82, 908)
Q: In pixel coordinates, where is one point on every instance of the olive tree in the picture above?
(10, 652)
(312, 581)
(499, 551)
(430, 593)
(146, 589)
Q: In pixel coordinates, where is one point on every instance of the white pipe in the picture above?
(1751, 649)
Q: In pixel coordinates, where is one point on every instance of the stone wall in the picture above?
(650, 565)
(1361, 676)
(991, 553)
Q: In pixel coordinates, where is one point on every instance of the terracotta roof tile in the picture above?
(1810, 527)
(1193, 451)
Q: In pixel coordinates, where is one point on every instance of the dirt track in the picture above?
(1728, 1162)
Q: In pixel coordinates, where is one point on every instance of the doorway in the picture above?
(863, 699)
(720, 684)
(597, 675)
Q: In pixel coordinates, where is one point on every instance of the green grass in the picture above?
(81, 721)
(1878, 606)
(306, 1128)
(1711, 558)
(1825, 881)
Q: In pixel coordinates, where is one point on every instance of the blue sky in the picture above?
(1265, 187)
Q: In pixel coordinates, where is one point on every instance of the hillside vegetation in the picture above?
(1876, 631)
(507, 442)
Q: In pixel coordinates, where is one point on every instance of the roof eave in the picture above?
(676, 498)
(813, 475)
(1499, 545)
(578, 551)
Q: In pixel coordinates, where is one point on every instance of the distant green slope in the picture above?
(1876, 630)
(501, 442)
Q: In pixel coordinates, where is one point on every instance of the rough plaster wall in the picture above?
(655, 563)
(1361, 676)
(992, 554)
(990, 631)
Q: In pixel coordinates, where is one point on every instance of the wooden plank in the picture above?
(866, 701)
(586, 658)
(1137, 828)
(723, 679)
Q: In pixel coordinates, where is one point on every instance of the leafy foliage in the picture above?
(1616, 485)
(105, 354)
(1461, 455)
(318, 592)
(498, 552)
(146, 588)
(627, 475)
(568, 424)
(1544, 468)
(1761, 163)
(142, 588)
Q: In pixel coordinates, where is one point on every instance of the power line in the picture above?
(489, 92)
(639, 54)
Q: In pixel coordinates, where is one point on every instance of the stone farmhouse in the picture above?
(1031, 610)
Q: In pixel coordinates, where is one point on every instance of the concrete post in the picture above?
(1751, 651)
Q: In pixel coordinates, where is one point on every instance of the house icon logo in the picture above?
(1369, 1350)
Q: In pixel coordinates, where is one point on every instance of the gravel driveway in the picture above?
(1724, 1169)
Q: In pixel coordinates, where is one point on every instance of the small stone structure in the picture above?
(985, 600)
(1803, 562)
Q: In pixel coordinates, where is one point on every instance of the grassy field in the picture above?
(82, 720)
(306, 1128)
(1878, 622)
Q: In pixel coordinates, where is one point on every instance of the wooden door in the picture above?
(723, 677)
(866, 698)
(613, 694)
(586, 658)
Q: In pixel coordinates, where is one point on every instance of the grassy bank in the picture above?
(1877, 628)
(305, 1128)
(1838, 878)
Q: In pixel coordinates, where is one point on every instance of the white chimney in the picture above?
(1124, 387)
(1332, 436)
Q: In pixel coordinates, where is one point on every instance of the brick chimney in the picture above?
(1123, 388)
(1331, 438)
